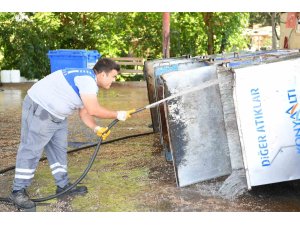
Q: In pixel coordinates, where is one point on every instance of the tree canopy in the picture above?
(26, 38)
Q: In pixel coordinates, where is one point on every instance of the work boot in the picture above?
(75, 190)
(21, 199)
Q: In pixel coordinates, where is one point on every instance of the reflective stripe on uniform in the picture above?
(59, 170)
(25, 177)
(20, 170)
(58, 165)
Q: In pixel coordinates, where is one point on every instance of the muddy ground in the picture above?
(131, 175)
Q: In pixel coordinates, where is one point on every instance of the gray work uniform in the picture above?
(45, 109)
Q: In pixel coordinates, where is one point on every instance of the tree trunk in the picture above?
(274, 39)
(208, 20)
(166, 35)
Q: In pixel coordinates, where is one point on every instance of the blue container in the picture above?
(93, 56)
(66, 58)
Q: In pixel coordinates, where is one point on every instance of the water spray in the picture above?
(199, 87)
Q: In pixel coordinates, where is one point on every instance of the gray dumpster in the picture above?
(167, 65)
(197, 133)
(153, 73)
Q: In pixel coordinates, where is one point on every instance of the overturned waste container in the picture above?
(209, 131)
(151, 74)
(196, 127)
(266, 101)
(151, 86)
(154, 71)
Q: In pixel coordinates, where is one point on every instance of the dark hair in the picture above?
(106, 65)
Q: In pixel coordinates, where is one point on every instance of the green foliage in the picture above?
(228, 31)
(130, 77)
(145, 35)
(187, 34)
(263, 18)
(24, 45)
(26, 38)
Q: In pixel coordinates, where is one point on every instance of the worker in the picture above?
(45, 109)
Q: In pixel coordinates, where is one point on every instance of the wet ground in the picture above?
(131, 175)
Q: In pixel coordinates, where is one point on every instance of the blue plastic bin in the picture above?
(93, 56)
(67, 58)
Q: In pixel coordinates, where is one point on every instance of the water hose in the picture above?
(85, 172)
(92, 159)
(7, 169)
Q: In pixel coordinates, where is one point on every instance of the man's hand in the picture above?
(124, 115)
(100, 131)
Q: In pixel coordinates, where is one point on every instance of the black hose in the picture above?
(84, 147)
(71, 186)
(87, 168)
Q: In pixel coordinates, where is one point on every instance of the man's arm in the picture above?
(93, 108)
(88, 120)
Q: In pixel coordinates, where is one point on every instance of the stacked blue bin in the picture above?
(67, 58)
